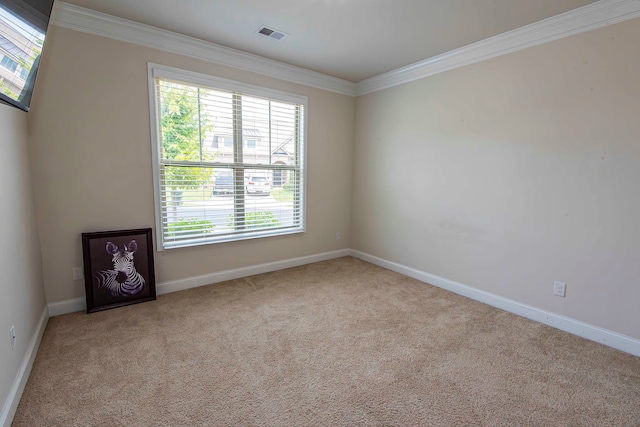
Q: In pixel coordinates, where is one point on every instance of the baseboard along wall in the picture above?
(79, 304)
(572, 326)
(566, 324)
(15, 393)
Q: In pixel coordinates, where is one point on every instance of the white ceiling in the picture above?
(349, 39)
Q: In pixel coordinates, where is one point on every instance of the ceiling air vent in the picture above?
(271, 33)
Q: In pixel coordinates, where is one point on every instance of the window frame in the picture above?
(218, 83)
(9, 64)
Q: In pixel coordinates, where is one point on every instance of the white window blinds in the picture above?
(229, 159)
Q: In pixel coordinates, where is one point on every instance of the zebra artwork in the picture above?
(123, 280)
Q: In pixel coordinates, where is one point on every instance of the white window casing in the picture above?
(209, 192)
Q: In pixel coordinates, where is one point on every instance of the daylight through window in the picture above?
(230, 159)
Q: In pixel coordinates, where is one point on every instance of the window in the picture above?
(9, 64)
(207, 195)
(24, 73)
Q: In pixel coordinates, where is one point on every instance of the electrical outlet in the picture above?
(78, 273)
(338, 236)
(560, 289)
(12, 335)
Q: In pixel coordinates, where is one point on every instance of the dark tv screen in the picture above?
(23, 25)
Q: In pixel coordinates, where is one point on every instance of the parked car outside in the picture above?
(223, 184)
(258, 184)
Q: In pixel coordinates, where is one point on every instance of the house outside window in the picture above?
(208, 189)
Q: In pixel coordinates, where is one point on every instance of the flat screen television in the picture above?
(23, 25)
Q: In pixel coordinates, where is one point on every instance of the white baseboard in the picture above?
(207, 279)
(67, 306)
(79, 304)
(567, 324)
(15, 393)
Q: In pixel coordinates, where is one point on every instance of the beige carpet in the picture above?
(338, 343)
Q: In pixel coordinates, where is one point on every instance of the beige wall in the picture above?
(512, 173)
(505, 175)
(22, 297)
(91, 154)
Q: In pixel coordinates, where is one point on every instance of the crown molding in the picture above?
(586, 18)
(89, 21)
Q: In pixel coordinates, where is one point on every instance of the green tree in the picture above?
(182, 227)
(257, 220)
(184, 126)
(28, 63)
(4, 89)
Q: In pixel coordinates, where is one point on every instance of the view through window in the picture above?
(20, 47)
(230, 164)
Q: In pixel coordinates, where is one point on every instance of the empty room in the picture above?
(320, 213)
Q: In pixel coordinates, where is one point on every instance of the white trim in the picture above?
(567, 324)
(586, 18)
(92, 22)
(155, 156)
(213, 82)
(67, 306)
(79, 304)
(238, 273)
(155, 71)
(15, 393)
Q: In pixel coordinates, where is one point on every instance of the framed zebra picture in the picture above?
(118, 268)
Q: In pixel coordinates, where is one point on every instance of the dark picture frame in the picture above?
(118, 268)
